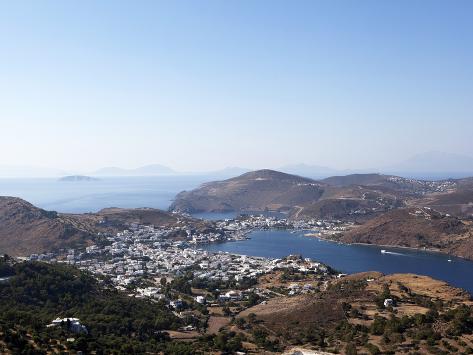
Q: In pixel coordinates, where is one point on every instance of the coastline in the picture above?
(429, 250)
(348, 258)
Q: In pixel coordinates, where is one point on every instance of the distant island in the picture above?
(73, 178)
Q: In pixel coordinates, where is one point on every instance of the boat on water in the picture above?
(449, 260)
(383, 251)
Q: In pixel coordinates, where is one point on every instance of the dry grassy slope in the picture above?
(259, 190)
(416, 228)
(288, 317)
(26, 229)
(356, 179)
(302, 197)
(325, 308)
(305, 310)
(115, 219)
(356, 197)
(458, 203)
(373, 194)
(386, 182)
(355, 203)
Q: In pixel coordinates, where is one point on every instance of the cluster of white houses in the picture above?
(147, 252)
(426, 186)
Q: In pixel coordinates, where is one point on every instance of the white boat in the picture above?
(383, 251)
(449, 260)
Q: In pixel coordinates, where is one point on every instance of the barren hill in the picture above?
(356, 179)
(114, 219)
(401, 186)
(416, 228)
(457, 201)
(26, 229)
(352, 308)
(300, 197)
(257, 190)
(356, 197)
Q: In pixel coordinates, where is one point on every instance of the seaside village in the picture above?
(145, 261)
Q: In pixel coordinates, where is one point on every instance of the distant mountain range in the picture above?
(429, 166)
(147, 170)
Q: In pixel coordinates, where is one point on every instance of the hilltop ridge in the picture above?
(257, 190)
(420, 228)
(352, 196)
(27, 229)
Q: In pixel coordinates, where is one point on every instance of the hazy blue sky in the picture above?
(200, 85)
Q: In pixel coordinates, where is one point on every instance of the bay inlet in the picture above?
(352, 258)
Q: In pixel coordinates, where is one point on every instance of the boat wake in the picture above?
(391, 253)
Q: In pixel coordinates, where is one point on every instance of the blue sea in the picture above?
(353, 258)
(158, 192)
(91, 196)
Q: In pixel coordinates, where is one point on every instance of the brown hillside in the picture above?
(354, 197)
(258, 190)
(350, 310)
(301, 197)
(26, 229)
(416, 228)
